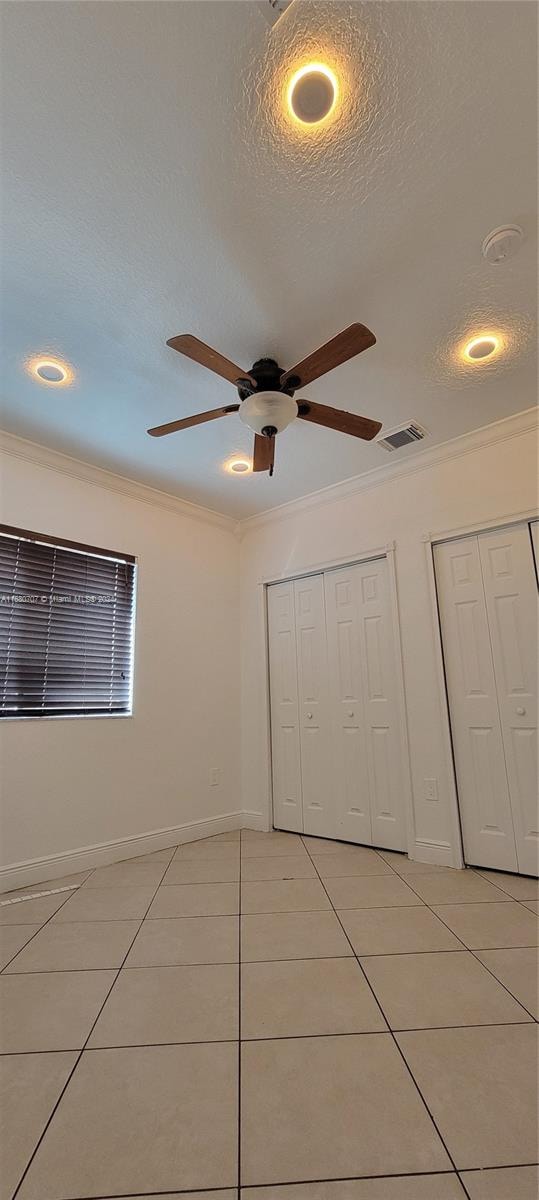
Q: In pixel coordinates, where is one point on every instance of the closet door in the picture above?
(319, 816)
(485, 809)
(285, 738)
(377, 653)
(511, 601)
(534, 534)
(351, 783)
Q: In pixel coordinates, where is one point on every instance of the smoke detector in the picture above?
(402, 435)
(502, 243)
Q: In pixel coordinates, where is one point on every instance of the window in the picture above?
(66, 627)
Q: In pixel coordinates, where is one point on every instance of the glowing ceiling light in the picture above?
(312, 93)
(51, 371)
(481, 347)
(238, 466)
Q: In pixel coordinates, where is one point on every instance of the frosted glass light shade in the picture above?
(264, 409)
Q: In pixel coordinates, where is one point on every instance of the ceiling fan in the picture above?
(266, 392)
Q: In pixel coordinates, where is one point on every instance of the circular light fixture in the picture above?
(51, 371)
(312, 93)
(482, 347)
(238, 466)
(268, 410)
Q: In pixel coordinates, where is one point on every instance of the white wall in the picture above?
(474, 480)
(71, 783)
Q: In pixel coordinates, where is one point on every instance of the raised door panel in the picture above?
(511, 600)
(351, 775)
(285, 735)
(485, 809)
(377, 652)
(314, 712)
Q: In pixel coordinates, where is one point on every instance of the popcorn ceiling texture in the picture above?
(154, 183)
(316, 32)
(514, 330)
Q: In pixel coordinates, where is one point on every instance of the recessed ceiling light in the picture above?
(238, 466)
(481, 347)
(51, 371)
(312, 93)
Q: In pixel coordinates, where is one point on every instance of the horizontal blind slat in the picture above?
(65, 630)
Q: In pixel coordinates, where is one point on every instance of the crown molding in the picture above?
(75, 468)
(423, 460)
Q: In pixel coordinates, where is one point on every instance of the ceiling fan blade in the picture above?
(345, 345)
(186, 344)
(198, 419)
(335, 418)
(264, 453)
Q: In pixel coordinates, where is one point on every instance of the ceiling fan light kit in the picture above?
(268, 413)
(266, 392)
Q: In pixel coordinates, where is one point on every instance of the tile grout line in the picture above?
(251, 961)
(30, 939)
(299, 1182)
(285, 1037)
(392, 1035)
(78, 1058)
(480, 961)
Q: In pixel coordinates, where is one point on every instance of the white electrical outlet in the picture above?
(431, 789)
(215, 777)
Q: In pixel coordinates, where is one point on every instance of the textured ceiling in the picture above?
(153, 185)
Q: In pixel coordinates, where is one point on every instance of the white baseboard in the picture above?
(55, 866)
(255, 820)
(428, 850)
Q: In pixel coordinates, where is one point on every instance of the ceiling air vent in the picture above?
(273, 9)
(402, 435)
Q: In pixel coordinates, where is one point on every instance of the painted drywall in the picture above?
(471, 486)
(78, 782)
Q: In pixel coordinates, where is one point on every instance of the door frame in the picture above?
(430, 540)
(387, 551)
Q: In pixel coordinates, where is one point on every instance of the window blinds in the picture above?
(66, 628)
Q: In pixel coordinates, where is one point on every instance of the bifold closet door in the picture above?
(285, 738)
(367, 751)
(511, 598)
(487, 598)
(319, 813)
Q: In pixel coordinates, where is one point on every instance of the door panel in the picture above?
(315, 731)
(377, 656)
(336, 740)
(485, 809)
(511, 601)
(351, 789)
(285, 737)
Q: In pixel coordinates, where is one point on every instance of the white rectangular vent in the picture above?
(402, 435)
(273, 9)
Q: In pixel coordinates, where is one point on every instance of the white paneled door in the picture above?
(350, 753)
(314, 712)
(487, 595)
(286, 764)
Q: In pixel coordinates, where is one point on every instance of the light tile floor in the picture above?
(364, 1030)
